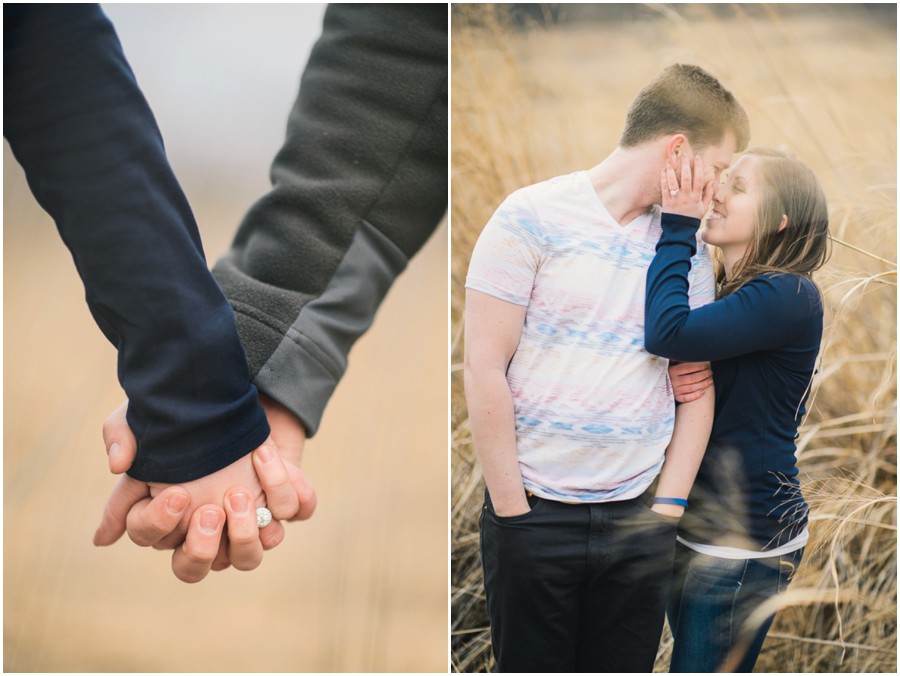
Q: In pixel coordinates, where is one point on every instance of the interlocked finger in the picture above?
(192, 561)
(281, 498)
(245, 551)
(305, 492)
(221, 561)
(272, 535)
(151, 520)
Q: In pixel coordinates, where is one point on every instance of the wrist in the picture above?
(679, 229)
(674, 219)
(668, 510)
(669, 506)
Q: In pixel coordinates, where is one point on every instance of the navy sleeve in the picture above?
(94, 159)
(766, 313)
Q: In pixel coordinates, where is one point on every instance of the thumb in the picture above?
(115, 514)
(121, 446)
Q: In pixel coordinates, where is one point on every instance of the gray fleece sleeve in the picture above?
(357, 188)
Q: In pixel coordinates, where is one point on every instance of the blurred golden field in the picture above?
(549, 97)
(346, 591)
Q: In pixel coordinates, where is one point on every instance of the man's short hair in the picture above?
(685, 99)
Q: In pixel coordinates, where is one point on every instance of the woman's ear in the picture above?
(784, 222)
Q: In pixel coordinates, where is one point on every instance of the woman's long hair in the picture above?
(789, 188)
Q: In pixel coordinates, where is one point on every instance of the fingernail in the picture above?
(240, 503)
(113, 452)
(177, 502)
(209, 521)
(265, 453)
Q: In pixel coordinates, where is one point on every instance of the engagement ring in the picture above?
(673, 192)
(263, 517)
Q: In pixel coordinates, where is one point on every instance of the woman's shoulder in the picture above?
(787, 282)
(793, 282)
(794, 292)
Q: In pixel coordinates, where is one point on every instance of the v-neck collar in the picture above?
(606, 216)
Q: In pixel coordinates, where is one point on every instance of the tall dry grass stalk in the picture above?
(530, 103)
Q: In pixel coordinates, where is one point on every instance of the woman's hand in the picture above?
(688, 197)
(189, 517)
(690, 380)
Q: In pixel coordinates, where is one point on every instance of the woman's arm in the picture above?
(765, 313)
(77, 122)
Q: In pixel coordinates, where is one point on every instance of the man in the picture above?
(571, 418)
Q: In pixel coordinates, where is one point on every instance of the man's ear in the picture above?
(676, 144)
(784, 222)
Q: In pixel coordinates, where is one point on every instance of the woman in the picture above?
(743, 533)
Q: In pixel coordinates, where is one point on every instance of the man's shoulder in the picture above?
(564, 187)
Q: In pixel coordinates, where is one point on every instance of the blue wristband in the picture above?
(671, 501)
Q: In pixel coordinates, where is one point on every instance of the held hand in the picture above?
(692, 196)
(289, 436)
(289, 494)
(158, 515)
(690, 380)
(190, 519)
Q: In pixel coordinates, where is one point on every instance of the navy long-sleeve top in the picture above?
(763, 341)
(77, 122)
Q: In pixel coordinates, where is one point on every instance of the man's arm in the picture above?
(493, 330)
(693, 424)
(357, 188)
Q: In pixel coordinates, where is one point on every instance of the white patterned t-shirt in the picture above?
(594, 410)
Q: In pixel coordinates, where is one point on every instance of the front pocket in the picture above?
(673, 520)
(787, 569)
(534, 502)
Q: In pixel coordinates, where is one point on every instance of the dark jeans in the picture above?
(577, 588)
(711, 600)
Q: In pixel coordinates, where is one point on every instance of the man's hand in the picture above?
(189, 517)
(690, 380)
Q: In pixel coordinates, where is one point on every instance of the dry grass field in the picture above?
(346, 591)
(530, 103)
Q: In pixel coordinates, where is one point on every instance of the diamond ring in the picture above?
(263, 517)
(673, 192)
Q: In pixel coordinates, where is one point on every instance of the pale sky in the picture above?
(221, 79)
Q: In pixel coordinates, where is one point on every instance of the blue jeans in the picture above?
(712, 599)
